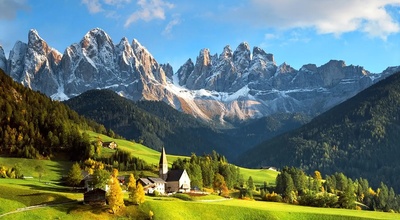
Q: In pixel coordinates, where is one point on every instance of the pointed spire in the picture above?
(163, 166)
(163, 158)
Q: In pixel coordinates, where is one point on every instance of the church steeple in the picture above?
(163, 165)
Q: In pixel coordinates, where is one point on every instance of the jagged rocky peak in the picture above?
(168, 70)
(285, 68)
(138, 48)
(3, 60)
(226, 53)
(334, 64)
(242, 56)
(16, 59)
(125, 47)
(144, 56)
(33, 64)
(259, 53)
(36, 43)
(336, 70)
(38, 46)
(151, 69)
(309, 68)
(126, 58)
(96, 42)
(184, 71)
(204, 58)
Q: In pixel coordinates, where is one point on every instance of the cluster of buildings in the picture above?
(169, 181)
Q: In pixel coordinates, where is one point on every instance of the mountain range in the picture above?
(243, 98)
(227, 88)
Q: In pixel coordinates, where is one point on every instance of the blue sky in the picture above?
(360, 32)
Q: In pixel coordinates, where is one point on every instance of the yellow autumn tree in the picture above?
(131, 186)
(115, 195)
(138, 196)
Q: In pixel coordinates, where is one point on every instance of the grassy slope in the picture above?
(53, 169)
(229, 209)
(149, 155)
(21, 193)
(239, 209)
(153, 157)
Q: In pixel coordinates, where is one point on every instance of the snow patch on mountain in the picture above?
(234, 85)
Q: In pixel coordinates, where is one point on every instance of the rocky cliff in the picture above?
(234, 85)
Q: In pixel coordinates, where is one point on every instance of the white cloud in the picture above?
(175, 21)
(270, 36)
(149, 10)
(9, 8)
(326, 17)
(116, 2)
(94, 6)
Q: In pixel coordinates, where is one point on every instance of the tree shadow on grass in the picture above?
(95, 209)
(60, 169)
(51, 188)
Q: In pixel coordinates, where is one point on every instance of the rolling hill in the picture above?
(358, 137)
(34, 126)
(156, 124)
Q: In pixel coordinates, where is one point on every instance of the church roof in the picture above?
(174, 175)
(156, 180)
(144, 181)
(150, 180)
(163, 158)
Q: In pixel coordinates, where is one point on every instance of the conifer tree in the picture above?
(74, 175)
(250, 183)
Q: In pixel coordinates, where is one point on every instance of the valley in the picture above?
(256, 139)
(57, 201)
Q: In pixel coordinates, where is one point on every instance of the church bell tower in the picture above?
(163, 165)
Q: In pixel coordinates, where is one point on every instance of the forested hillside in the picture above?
(155, 124)
(258, 130)
(34, 126)
(359, 137)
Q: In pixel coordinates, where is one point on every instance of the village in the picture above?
(169, 181)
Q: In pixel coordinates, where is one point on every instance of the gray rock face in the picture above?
(3, 60)
(234, 85)
(252, 85)
(34, 64)
(168, 70)
(184, 72)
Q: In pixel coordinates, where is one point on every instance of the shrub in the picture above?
(272, 197)
(319, 200)
(156, 193)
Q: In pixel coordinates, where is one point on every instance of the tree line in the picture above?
(335, 191)
(203, 170)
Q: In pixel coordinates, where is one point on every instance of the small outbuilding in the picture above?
(110, 144)
(93, 197)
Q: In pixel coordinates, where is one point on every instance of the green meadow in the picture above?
(172, 208)
(59, 202)
(153, 157)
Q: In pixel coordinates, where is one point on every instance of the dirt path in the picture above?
(38, 207)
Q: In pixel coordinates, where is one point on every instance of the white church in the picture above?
(169, 181)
